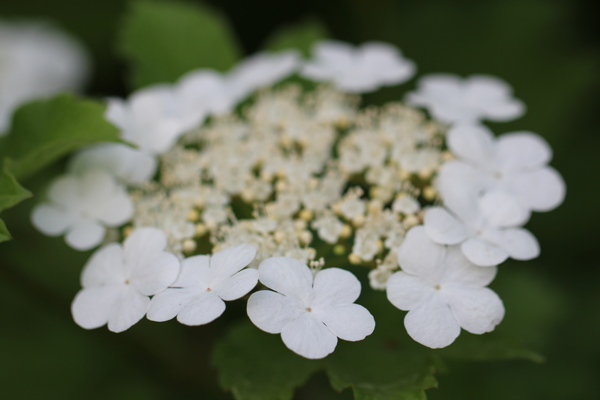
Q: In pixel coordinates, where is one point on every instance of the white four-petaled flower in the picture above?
(117, 280)
(82, 207)
(309, 313)
(485, 226)
(362, 69)
(514, 163)
(442, 291)
(197, 296)
(454, 100)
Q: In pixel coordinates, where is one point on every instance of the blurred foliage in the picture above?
(550, 53)
(299, 36)
(163, 40)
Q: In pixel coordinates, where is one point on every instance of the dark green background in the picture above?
(548, 50)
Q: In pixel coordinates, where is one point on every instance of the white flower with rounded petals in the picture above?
(263, 69)
(151, 118)
(198, 295)
(358, 70)
(485, 226)
(129, 165)
(452, 99)
(311, 314)
(442, 292)
(82, 206)
(117, 281)
(515, 163)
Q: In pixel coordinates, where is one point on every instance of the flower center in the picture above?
(308, 309)
(127, 282)
(437, 287)
(208, 289)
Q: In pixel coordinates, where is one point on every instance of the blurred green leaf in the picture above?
(255, 365)
(300, 36)
(45, 130)
(11, 193)
(490, 346)
(162, 40)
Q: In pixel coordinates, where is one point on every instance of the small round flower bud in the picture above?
(404, 175)
(429, 193)
(306, 237)
(375, 206)
(354, 259)
(410, 221)
(279, 236)
(447, 156)
(300, 224)
(425, 173)
(306, 215)
(200, 230)
(189, 246)
(281, 185)
(193, 215)
(359, 220)
(339, 249)
(346, 231)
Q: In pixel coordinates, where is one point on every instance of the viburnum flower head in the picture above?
(198, 295)
(485, 226)
(442, 292)
(82, 206)
(358, 69)
(118, 280)
(311, 314)
(514, 163)
(454, 100)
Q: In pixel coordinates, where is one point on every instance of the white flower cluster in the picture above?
(37, 60)
(292, 176)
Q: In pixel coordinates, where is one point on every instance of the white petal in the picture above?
(350, 322)
(128, 310)
(459, 176)
(432, 323)
(271, 311)
(308, 337)
(195, 272)
(506, 110)
(117, 210)
(117, 112)
(541, 190)
(156, 274)
(65, 191)
(482, 253)
(520, 244)
(166, 305)
(238, 285)
(202, 310)
(486, 87)
(287, 276)
(130, 165)
(477, 310)
(85, 235)
(442, 227)
(51, 220)
(419, 256)
(92, 307)
(335, 286)
(472, 143)
(502, 210)
(522, 151)
(105, 267)
(142, 245)
(406, 291)
(461, 272)
(225, 263)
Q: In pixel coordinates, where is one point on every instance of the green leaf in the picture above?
(387, 364)
(300, 36)
(45, 130)
(163, 40)
(11, 193)
(255, 365)
(490, 346)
